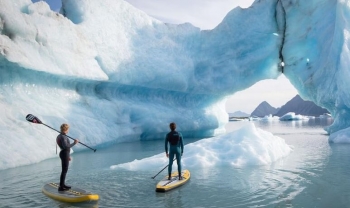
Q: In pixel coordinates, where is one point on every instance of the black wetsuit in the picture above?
(176, 149)
(64, 144)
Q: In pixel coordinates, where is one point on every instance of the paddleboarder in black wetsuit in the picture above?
(63, 142)
(175, 140)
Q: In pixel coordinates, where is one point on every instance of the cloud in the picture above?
(205, 14)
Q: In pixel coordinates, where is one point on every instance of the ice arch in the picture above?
(116, 74)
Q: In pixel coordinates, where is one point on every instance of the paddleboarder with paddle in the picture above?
(63, 142)
(50, 189)
(176, 149)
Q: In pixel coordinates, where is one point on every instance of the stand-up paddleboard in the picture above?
(71, 195)
(166, 185)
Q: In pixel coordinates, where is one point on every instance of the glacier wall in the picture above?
(115, 74)
(316, 53)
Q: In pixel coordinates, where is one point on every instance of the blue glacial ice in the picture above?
(115, 74)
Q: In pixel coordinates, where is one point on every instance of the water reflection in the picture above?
(315, 174)
(330, 188)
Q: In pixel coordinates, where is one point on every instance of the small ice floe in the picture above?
(292, 117)
(244, 147)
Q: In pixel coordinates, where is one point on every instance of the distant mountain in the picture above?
(238, 114)
(264, 109)
(299, 106)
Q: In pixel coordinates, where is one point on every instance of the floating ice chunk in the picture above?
(325, 116)
(291, 117)
(270, 118)
(246, 146)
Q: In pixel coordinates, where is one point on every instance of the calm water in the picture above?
(315, 174)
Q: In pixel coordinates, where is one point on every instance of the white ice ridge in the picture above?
(115, 74)
(244, 147)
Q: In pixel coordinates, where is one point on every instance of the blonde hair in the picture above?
(64, 127)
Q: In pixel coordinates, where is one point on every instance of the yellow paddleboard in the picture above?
(166, 185)
(71, 195)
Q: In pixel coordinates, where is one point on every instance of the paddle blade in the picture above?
(33, 119)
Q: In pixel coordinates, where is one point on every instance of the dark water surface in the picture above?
(315, 174)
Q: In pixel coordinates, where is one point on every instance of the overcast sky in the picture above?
(206, 14)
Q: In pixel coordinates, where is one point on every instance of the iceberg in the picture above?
(325, 116)
(246, 146)
(292, 117)
(116, 74)
(270, 118)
